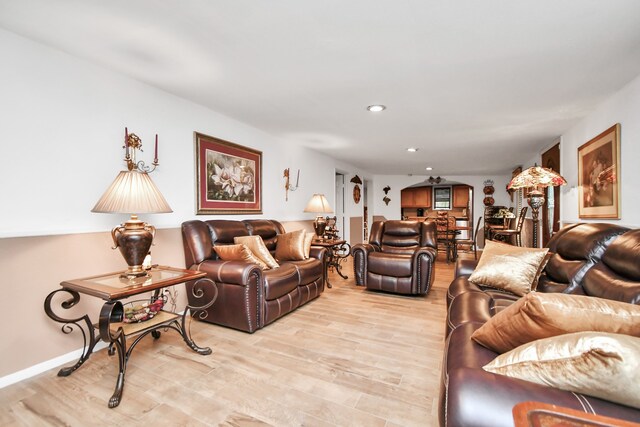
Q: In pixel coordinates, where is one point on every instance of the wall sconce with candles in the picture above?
(133, 192)
(287, 186)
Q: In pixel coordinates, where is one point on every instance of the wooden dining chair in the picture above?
(472, 243)
(517, 231)
(443, 233)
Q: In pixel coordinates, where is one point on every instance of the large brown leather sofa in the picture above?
(399, 257)
(248, 297)
(600, 260)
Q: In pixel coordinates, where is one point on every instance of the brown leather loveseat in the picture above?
(399, 257)
(248, 297)
(598, 260)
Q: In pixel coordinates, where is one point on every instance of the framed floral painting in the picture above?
(599, 176)
(228, 177)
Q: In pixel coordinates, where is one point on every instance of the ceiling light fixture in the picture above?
(376, 108)
(429, 168)
(412, 149)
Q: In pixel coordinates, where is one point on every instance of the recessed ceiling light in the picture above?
(412, 149)
(376, 108)
(429, 168)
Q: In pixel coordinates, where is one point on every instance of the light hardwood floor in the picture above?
(349, 358)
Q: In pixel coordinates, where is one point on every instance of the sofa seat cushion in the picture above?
(280, 281)
(387, 264)
(309, 270)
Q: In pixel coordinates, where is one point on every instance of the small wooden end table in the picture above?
(112, 288)
(338, 250)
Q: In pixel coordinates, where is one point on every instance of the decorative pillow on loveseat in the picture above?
(540, 315)
(290, 246)
(593, 363)
(258, 248)
(509, 268)
(238, 253)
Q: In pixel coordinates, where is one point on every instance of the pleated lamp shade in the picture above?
(132, 192)
(318, 204)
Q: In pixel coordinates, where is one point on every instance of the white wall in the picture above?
(62, 132)
(624, 108)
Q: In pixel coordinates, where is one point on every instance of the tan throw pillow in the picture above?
(593, 363)
(290, 246)
(510, 268)
(257, 246)
(308, 238)
(539, 315)
(238, 253)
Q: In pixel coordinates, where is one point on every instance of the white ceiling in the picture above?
(477, 86)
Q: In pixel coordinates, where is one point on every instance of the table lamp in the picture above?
(133, 192)
(320, 206)
(536, 177)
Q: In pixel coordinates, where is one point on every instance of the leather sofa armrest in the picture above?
(423, 261)
(464, 267)
(318, 252)
(360, 253)
(230, 272)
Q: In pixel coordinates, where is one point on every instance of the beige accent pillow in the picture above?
(308, 238)
(238, 253)
(540, 315)
(593, 363)
(290, 246)
(510, 268)
(257, 246)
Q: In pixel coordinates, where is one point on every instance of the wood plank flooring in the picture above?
(349, 358)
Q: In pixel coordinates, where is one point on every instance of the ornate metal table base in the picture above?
(113, 331)
(337, 253)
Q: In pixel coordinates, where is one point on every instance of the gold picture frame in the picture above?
(228, 177)
(599, 176)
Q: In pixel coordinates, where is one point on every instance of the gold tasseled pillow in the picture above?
(257, 246)
(290, 246)
(594, 363)
(539, 315)
(238, 253)
(510, 268)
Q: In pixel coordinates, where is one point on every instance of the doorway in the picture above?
(551, 209)
(339, 209)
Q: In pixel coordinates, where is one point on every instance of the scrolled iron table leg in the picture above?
(341, 253)
(83, 323)
(198, 291)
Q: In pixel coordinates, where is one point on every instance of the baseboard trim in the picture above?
(34, 370)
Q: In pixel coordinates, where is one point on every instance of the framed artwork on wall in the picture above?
(599, 176)
(228, 177)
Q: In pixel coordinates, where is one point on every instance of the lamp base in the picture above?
(134, 239)
(319, 225)
(535, 200)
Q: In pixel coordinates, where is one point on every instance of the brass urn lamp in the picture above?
(133, 192)
(320, 206)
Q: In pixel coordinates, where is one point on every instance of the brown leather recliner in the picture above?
(399, 257)
(248, 297)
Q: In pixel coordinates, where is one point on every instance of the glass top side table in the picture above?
(111, 326)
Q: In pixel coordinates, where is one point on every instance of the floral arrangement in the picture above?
(140, 311)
